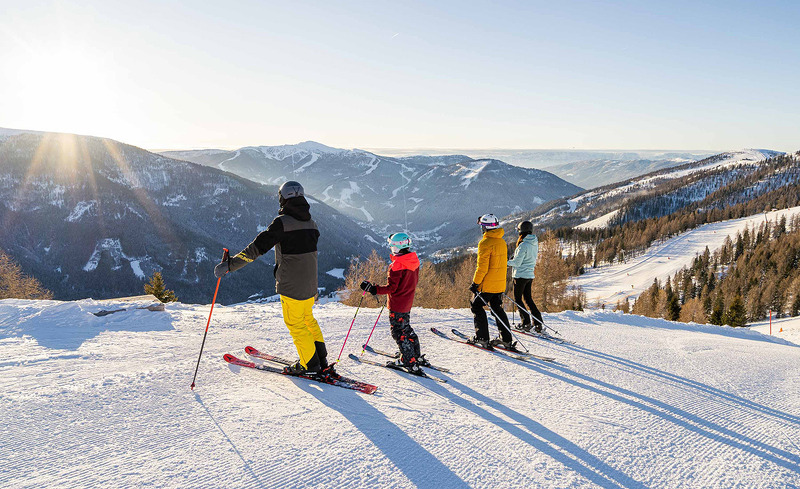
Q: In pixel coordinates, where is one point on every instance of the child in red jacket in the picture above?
(403, 277)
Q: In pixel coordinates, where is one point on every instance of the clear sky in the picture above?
(402, 74)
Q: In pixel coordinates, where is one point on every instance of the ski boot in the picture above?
(539, 329)
(296, 369)
(525, 327)
(505, 345)
(423, 362)
(485, 344)
(412, 367)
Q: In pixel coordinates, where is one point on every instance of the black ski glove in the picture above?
(221, 269)
(474, 288)
(369, 287)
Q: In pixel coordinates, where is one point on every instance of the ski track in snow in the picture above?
(637, 402)
(611, 283)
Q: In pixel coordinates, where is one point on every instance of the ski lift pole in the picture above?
(226, 257)
(500, 321)
(351, 325)
(364, 347)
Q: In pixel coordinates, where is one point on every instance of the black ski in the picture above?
(543, 336)
(343, 382)
(500, 347)
(395, 367)
(459, 340)
(397, 355)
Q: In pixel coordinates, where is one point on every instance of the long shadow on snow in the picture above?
(416, 463)
(228, 439)
(675, 415)
(540, 437)
(705, 388)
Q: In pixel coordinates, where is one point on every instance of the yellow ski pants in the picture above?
(302, 326)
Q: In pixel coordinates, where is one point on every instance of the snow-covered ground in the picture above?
(786, 328)
(612, 283)
(91, 401)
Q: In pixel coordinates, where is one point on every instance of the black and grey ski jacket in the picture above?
(294, 235)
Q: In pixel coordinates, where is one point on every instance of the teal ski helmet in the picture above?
(399, 241)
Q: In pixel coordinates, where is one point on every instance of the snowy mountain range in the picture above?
(423, 194)
(91, 217)
(595, 173)
(655, 194)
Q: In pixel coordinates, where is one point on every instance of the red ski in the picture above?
(343, 382)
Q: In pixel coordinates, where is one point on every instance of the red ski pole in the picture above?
(225, 257)
(351, 325)
(373, 329)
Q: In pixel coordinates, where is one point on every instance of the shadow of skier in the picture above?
(714, 432)
(230, 442)
(417, 464)
(539, 437)
(630, 365)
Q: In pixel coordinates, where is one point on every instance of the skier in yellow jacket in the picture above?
(489, 284)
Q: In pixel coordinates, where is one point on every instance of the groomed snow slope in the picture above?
(611, 283)
(105, 402)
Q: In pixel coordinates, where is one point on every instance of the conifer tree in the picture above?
(717, 311)
(736, 315)
(157, 288)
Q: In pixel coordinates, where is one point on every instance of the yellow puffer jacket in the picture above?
(492, 258)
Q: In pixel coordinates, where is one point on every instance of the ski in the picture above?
(459, 340)
(397, 355)
(543, 336)
(264, 356)
(380, 352)
(395, 367)
(500, 347)
(339, 382)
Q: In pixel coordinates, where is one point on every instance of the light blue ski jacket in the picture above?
(525, 256)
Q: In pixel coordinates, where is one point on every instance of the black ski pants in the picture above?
(495, 302)
(522, 296)
(404, 336)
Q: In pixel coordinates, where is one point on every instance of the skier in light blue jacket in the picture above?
(523, 264)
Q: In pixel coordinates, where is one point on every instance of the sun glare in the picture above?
(66, 88)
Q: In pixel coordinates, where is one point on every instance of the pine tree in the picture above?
(157, 288)
(736, 315)
(717, 311)
(672, 310)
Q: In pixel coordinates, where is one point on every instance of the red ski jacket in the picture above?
(403, 277)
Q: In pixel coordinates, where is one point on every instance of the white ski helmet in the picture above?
(291, 189)
(489, 221)
(399, 241)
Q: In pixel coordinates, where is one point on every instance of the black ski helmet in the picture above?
(290, 189)
(525, 227)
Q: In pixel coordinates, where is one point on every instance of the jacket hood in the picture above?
(529, 238)
(296, 207)
(408, 261)
(494, 233)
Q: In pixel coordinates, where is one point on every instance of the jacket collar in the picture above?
(494, 233)
(408, 261)
(296, 207)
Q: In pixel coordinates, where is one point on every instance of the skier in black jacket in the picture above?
(294, 235)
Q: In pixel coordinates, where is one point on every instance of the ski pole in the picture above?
(225, 257)
(351, 325)
(373, 329)
(531, 315)
(500, 321)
